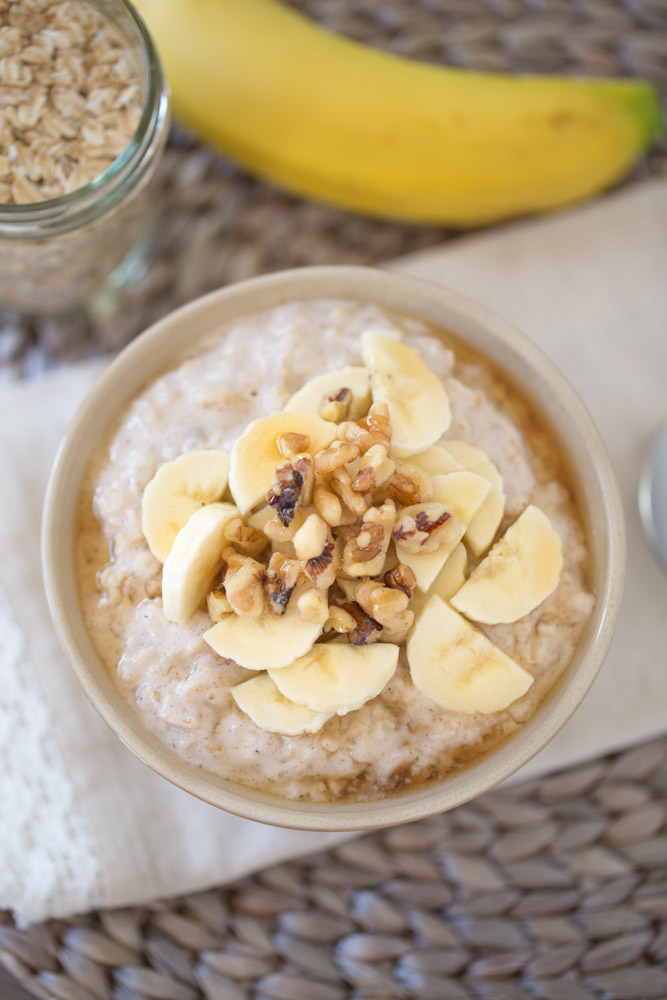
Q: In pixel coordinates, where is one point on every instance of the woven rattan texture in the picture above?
(218, 225)
(555, 889)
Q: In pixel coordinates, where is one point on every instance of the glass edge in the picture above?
(155, 110)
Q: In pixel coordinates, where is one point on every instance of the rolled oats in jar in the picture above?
(83, 121)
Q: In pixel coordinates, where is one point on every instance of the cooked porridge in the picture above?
(398, 614)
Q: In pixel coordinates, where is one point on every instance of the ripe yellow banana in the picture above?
(330, 118)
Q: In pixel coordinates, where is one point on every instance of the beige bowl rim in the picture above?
(165, 342)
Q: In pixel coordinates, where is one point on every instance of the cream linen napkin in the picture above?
(82, 823)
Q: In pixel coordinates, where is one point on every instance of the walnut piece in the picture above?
(374, 469)
(409, 485)
(365, 552)
(401, 578)
(335, 406)
(339, 620)
(282, 575)
(218, 605)
(292, 444)
(366, 630)
(293, 487)
(313, 606)
(311, 537)
(334, 457)
(247, 540)
(423, 527)
(387, 606)
(341, 483)
(244, 585)
(322, 569)
(327, 505)
(375, 428)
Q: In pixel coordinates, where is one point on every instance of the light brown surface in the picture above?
(10, 988)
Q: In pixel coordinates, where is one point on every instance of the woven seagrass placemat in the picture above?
(553, 889)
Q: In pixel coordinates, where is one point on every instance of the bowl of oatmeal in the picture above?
(333, 549)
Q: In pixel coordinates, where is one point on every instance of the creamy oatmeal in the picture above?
(475, 531)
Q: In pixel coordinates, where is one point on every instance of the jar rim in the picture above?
(68, 208)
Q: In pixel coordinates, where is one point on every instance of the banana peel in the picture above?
(327, 117)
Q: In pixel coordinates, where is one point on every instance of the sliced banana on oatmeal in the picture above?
(268, 641)
(462, 493)
(451, 578)
(520, 572)
(337, 678)
(260, 699)
(318, 393)
(195, 560)
(176, 491)
(484, 525)
(256, 454)
(436, 461)
(418, 403)
(457, 667)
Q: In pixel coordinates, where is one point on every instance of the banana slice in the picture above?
(270, 710)
(457, 667)
(268, 641)
(338, 678)
(308, 398)
(176, 491)
(484, 525)
(255, 455)
(418, 404)
(195, 560)
(436, 461)
(520, 572)
(427, 565)
(463, 493)
(451, 578)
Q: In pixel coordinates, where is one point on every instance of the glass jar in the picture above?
(62, 252)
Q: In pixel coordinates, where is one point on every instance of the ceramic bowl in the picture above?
(161, 347)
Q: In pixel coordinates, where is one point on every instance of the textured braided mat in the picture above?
(555, 888)
(219, 226)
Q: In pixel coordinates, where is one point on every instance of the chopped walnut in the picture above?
(341, 483)
(313, 606)
(339, 620)
(365, 552)
(311, 537)
(386, 606)
(218, 605)
(334, 457)
(292, 444)
(293, 487)
(244, 588)
(366, 630)
(401, 578)
(327, 505)
(375, 428)
(424, 527)
(247, 540)
(282, 574)
(335, 406)
(322, 569)
(278, 533)
(409, 485)
(374, 469)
